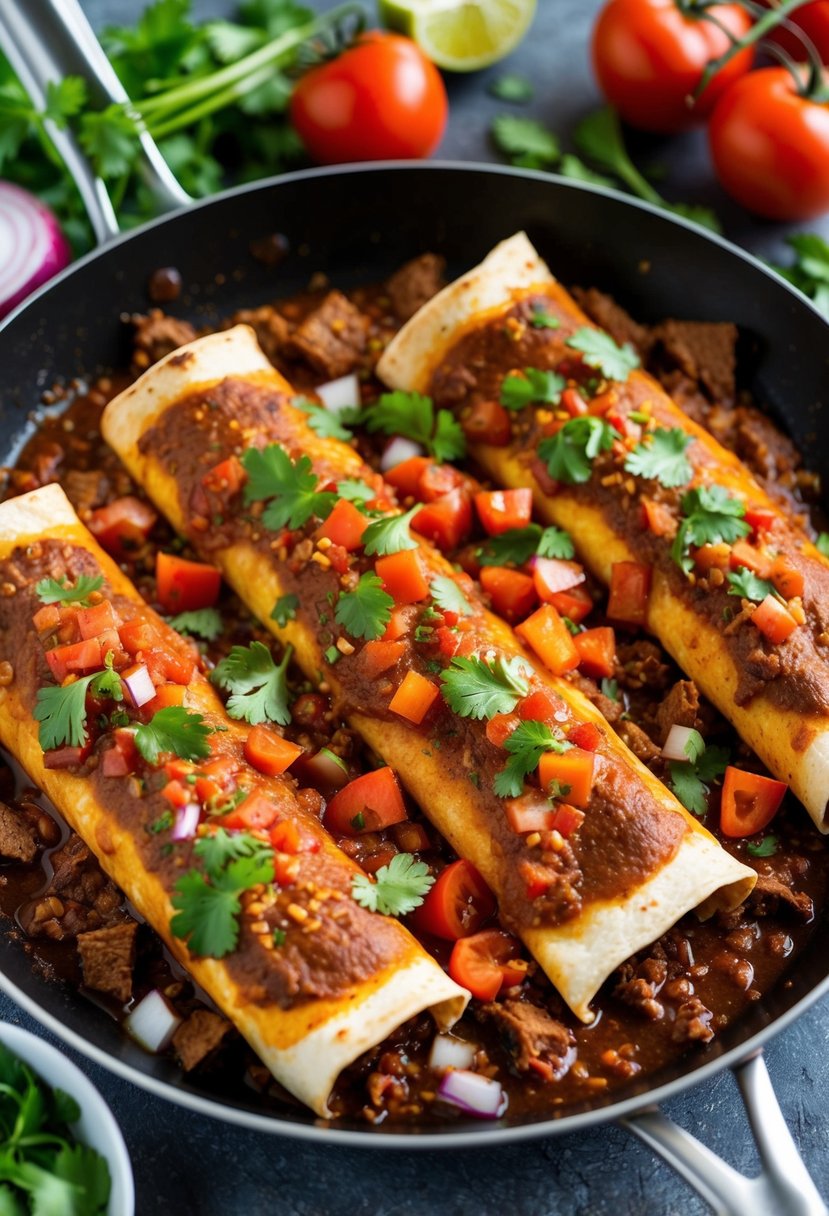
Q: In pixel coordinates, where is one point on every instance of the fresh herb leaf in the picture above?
(355, 491)
(447, 594)
(219, 848)
(662, 457)
(61, 710)
(525, 141)
(745, 583)
(290, 486)
(575, 168)
(208, 909)
(569, 453)
(284, 610)
(64, 99)
(610, 689)
(174, 729)
(366, 611)
(767, 846)
(413, 416)
(690, 780)
(203, 622)
(554, 542)
(390, 534)
(327, 423)
(694, 746)
(60, 591)
(526, 745)
(541, 319)
(822, 544)
(810, 269)
(481, 688)
(535, 387)
(398, 887)
(598, 350)
(512, 87)
(712, 517)
(517, 545)
(258, 686)
(110, 139)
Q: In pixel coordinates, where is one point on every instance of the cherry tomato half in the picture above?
(649, 56)
(487, 962)
(378, 100)
(770, 146)
(457, 905)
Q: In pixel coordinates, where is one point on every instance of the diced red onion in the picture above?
(152, 1022)
(139, 686)
(398, 450)
(341, 394)
(186, 822)
(472, 1093)
(32, 246)
(449, 1052)
(674, 748)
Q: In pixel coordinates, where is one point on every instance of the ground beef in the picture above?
(332, 338)
(78, 878)
(692, 1023)
(639, 985)
(704, 351)
(531, 1036)
(16, 840)
(621, 326)
(638, 742)
(414, 284)
(771, 896)
(680, 707)
(641, 664)
(271, 329)
(107, 958)
(198, 1037)
(157, 335)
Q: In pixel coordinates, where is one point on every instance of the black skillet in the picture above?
(356, 225)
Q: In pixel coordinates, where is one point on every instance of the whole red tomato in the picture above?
(379, 100)
(813, 19)
(649, 56)
(770, 146)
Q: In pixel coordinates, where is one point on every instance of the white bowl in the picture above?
(96, 1127)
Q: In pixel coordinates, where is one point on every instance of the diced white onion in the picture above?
(341, 394)
(186, 822)
(398, 450)
(472, 1093)
(152, 1022)
(139, 686)
(675, 744)
(449, 1052)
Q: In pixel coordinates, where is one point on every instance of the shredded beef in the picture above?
(604, 310)
(78, 878)
(271, 329)
(705, 351)
(16, 840)
(532, 1038)
(640, 984)
(198, 1037)
(414, 284)
(107, 957)
(680, 707)
(692, 1023)
(332, 337)
(157, 335)
(771, 896)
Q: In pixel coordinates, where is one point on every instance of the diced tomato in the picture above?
(458, 904)
(411, 837)
(122, 527)
(268, 752)
(585, 735)
(257, 812)
(487, 422)
(512, 593)
(597, 651)
(541, 706)
(184, 586)
(553, 575)
(573, 772)
(414, 697)
(176, 794)
(744, 554)
(46, 618)
(630, 587)
(121, 757)
(167, 665)
(447, 521)
(403, 577)
(227, 477)
(537, 878)
(290, 837)
(786, 577)
(438, 480)
(137, 635)
(551, 640)
(530, 813)
(206, 790)
(772, 618)
(575, 604)
(221, 769)
(178, 769)
(749, 802)
(379, 656)
(760, 519)
(405, 477)
(567, 819)
(166, 695)
(285, 869)
(345, 526)
(658, 518)
(448, 640)
(602, 402)
(66, 757)
(500, 727)
(573, 402)
(76, 657)
(398, 626)
(484, 963)
(367, 804)
(500, 510)
(111, 645)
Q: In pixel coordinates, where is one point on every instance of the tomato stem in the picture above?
(769, 20)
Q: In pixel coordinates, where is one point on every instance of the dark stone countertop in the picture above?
(185, 1163)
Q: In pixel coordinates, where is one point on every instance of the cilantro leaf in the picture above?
(610, 688)
(219, 848)
(526, 141)
(87, 1171)
(448, 441)
(290, 486)
(512, 87)
(569, 453)
(413, 416)
(61, 709)
(822, 544)
(327, 423)
(598, 350)
(174, 729)
(60, 591)
(390, 534)
(203, 622)
(575, 168)
(355, 491)
(447, 594)
(478, 688)
(208, 908)
(534, 387)
(366, 611)
(767, 846)
(555, 542)
(690, 779)
(398, 887)
(526, 745)
(745, 583)
(694, 746)
(258, 686)
(541, 319)
(284, 610)
(110, 139)
(662, 457)
(711, 516)
(64, 99)
(712, 763)
(518, 545)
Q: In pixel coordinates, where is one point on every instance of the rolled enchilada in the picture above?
(417, 664)
(739, 595)
(313, 979)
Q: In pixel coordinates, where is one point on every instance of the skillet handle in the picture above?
(783, 1184)
(45, 40)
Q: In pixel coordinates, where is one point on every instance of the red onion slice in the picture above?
(186, 822)
(139, 686)
(674, 748)
(473, 1094)
(32, 246)
(152, 1022)
(341, 394)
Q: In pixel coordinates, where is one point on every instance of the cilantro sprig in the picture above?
(284, 610)
(398, 887)
(390, 534)
(598, 350)
(447, 594)
(258, 686)
(569, 453)
(61, 709)
(328, 424)
(526, 745)
(482, 688)
(289, 487)
(61, 591)
(749, 586)
(413, 416)
(662, 456)
(535, 387)
(691, 779)
(711, 516)
(174, 729)
(517, 545)
(203, 622)
(366, 611)
(822, 544)
(208, 907)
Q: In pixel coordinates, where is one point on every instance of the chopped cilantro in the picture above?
(475, 778)
(413, 416)
(284, 610)
(289, 487)
(610, 689)
(173, 729)
(447, 594)
(518, 545)
(745, 583)
(208, 907)
(570, 452)
(711, 516)
(279, 937)
(329, 424)
(398, 887)
(598, 350)
(366, 611)
(526, 745)
(767, 846)
(690, 780)
(541, 319)
(162, 824)
(61, 711)
(822, 543)
(355, 490)
(203, 622)
(512, 87)
(390, 534)
(258, 685)
(662, 457)
(477, 688)
(534, 387)
(60, 591)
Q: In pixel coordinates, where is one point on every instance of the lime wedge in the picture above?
(461, 35)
